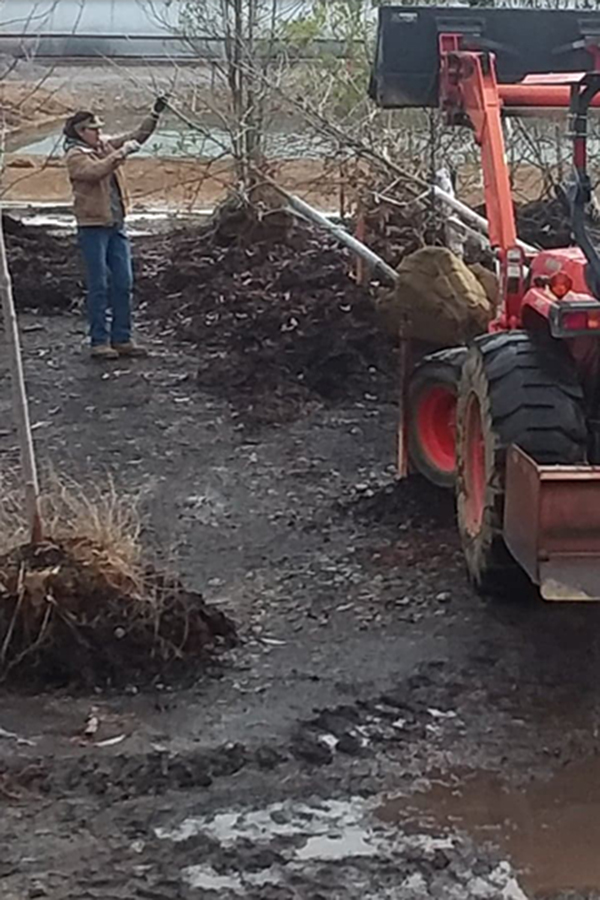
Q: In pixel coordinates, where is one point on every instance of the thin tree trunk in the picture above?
(236, 81)
(20, 407)
(251, 124)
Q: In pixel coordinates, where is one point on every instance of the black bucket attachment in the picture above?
(524, 41)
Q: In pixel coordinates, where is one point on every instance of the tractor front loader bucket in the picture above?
(552, 525)
(407, 60)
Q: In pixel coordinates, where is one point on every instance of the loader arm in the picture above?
(469, 88)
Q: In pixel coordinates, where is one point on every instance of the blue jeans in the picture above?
(109, 276)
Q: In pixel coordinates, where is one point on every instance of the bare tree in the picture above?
(246, 32)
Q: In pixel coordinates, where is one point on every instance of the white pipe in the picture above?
(342, 235)
(472, 232)
(474, 218)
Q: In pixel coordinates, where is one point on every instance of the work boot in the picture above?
(104, 351)
(130, 349)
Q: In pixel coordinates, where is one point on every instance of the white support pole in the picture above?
(474, 218)
(455, 237)
(375, 261)
(20, 407)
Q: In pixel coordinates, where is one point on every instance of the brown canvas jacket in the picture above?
(90, 170)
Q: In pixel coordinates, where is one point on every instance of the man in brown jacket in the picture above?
(100, 205)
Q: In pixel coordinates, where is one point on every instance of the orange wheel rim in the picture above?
(436, 426)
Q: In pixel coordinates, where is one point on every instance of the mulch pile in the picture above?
(395, 232)
(71, 616)
(544, 223)
(412, 504)
(47, 273)
(45, 268)
(278, 321)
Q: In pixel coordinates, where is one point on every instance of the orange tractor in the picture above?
(514, 419)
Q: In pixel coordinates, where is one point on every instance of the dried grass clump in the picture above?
(83, 606)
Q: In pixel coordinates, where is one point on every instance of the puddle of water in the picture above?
(331, 830)
(138, 224)
(352, 842)
(307, 836)
(205, 878)
(549, 829)
(328, 831)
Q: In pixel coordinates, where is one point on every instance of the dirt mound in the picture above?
(45, 268)
(399, 228)
(394, 231)
(544, 223)
(279, 323)
(69, 614)
(412, 505)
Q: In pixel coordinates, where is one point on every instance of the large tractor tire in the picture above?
(513, 390)
(432, 397)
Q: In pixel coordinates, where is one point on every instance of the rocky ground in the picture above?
(379, 731)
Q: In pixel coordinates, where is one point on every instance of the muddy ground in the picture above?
(380, 731)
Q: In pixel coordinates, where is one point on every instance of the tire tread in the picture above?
(535, 401)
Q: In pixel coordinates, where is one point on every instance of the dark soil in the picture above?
(395, 232)
(544, 223)
(279, 325)
(70, 615)
(367, 667)
(45, 268)
(413, 504)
